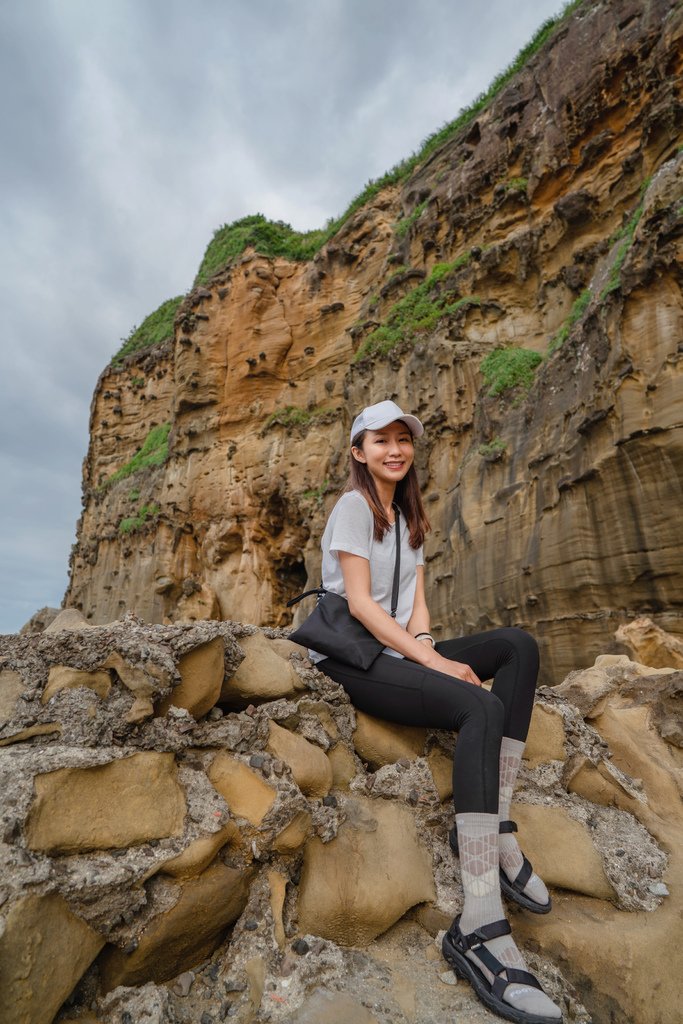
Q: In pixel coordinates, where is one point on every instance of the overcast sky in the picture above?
(131, 129)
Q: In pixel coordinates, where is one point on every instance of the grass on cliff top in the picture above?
(154, 452)
(154, 329)
(276, 238)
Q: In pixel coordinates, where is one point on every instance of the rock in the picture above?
(199, 854)
(263, 675)
(45, 729)
(197, 606)
(599, 783)
(111, 805)
(378, 742)
(441, 767)
(310, 766)
(561, 850)
(244, 791)
(293, 835)
(62, 677)
(183, 983)
(143, 684)
(39, 621)
(277, 884)
(69, 619)
(356, 886)
(201, 674)
(44, 950)
(284, 648)
(324, 1007)
(650, 644)
(343, 765)
(11, 688)
(186, 934)
(546, 739)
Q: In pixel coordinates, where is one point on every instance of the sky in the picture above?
(130, 131)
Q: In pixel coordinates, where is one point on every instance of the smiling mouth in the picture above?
(394, 465)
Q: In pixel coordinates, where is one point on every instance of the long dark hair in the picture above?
(407, 497)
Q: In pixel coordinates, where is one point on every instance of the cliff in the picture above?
(519, 290)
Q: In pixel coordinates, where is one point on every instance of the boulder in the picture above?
(651, 645)
(545, 741)
(561, 850)
(11, 688)
(310, 765)
(441, 767)
(68, 619)
(277, 884)
(62, 677)
(378, 742)
(183, 936)
(116, 804)
(263, 675)
(294, 834)
(199, 854)
(245, 792)
(343, 765)
(44, 951)
(201, 674)
(359, 884)
(39, 620)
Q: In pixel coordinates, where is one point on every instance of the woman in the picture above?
(416, 681)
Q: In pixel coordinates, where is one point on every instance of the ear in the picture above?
(358, 454)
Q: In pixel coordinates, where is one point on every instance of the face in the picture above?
(388, 453)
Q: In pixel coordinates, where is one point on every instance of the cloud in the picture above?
(130, 132)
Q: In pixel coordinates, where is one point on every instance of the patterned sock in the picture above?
(479, 857)
(511, 859)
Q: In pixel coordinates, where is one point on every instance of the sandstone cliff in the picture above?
(549, 226)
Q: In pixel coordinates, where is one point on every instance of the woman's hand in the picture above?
(456, 669)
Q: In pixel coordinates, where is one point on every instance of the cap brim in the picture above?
(412, 422)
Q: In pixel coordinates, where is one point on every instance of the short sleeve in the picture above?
(353, 526)
(420, 556)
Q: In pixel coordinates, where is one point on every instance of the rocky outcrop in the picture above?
(291, 858)
(549, 226)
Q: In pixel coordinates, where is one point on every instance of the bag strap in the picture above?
(397, 573)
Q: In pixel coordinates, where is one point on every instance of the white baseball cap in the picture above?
(374, 417)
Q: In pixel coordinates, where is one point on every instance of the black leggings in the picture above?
(399, 690)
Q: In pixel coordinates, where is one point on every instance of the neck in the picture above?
(385, 493)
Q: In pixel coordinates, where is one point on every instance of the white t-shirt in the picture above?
(351, 528)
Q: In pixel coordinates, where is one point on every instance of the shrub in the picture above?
(133, 523)
(575, 314)
(626, 235)
(494, 450)
(268, 237)
(154, 329)
(402, 227)
(506, 368)
(154, 452)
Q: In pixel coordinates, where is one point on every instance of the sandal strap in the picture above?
(523, 876)
(479, 935)
(507, 826)
(514, 977)
(474, 942)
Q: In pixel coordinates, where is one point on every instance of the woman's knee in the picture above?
(487, 712)
(522, 643)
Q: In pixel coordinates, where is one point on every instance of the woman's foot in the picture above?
(488, 958)
(518, 871)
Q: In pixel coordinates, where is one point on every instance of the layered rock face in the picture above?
(180, 844)
(552, 224)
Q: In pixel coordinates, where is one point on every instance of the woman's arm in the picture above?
(419, 620)
(356, 573)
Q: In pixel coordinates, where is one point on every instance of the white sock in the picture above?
(511, 859)
(478, 841)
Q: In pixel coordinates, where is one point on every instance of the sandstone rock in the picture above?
(441, 767)
(199, 605)
(356, 886)
(199, 854)
(378, 742)
(111, 805)
(201, 673)
(310, 766)
(324, 1007)
(284, 647)
(277, 883)
(44, 729)
(11, 688)
(62, 677)
(44, 950)
(39, 621)
(183, 936)
(244, 791)
(650, 644)
(561, 850)
(143, 684)
(343, 766)
(294, 834)
(599, 784)
(263, 675)
(69, 618)
(545, 741)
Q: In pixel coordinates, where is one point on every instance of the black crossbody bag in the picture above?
(332, 630)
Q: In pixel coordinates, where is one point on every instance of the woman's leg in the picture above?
(399, 690)
(509, 656)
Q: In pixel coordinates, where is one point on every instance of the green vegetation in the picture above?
(316, 494)
(507, 368)
(154, 452)
(134, 494)
(402, 227)
(575, 314)
(133, 523)
(275, 238)
(625, 235)
(514, 184)
(137, 382)
(294, 416)
(155, 328)
(494, 450)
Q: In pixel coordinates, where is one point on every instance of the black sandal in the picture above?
(513, 890)
(455, 946)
